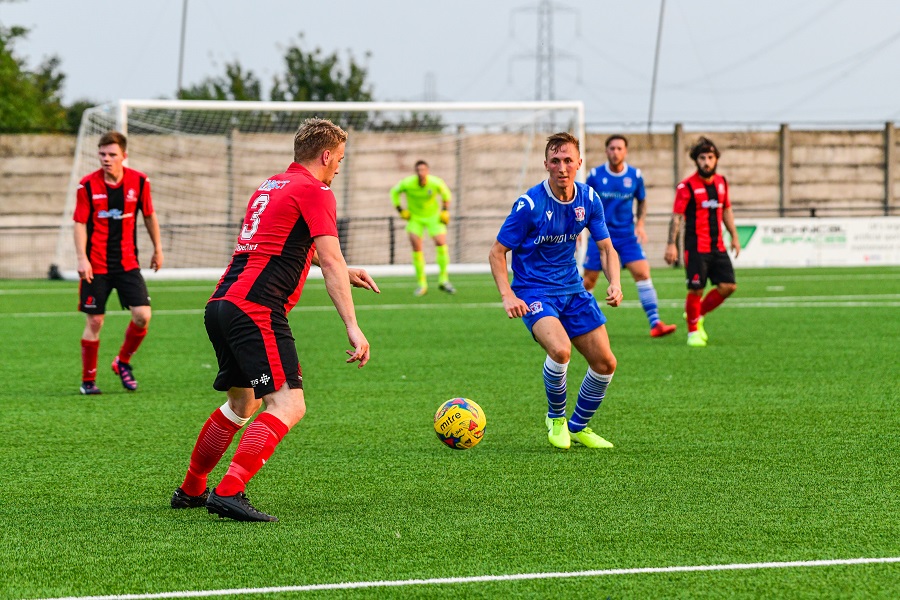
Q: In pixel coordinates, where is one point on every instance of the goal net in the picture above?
(204, 159)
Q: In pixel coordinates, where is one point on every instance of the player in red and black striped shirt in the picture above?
(290, 224)
(107, 203)
(703, 205)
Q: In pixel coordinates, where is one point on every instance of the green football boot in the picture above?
(695, 340)
(701, 330)
(586, 437)
(558, 432)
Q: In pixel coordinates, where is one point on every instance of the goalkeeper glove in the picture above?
(445, 216)
(404, 213)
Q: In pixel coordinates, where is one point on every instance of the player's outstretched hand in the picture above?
(360, 345)
(515, 307)
(359, 278)
(613, 295)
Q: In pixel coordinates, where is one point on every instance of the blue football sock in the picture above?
(591, 394)
(647, 294)
(555, 384)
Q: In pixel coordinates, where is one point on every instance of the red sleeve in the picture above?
(682, 197)
(82, 205)
(319, 209)
(146, 199)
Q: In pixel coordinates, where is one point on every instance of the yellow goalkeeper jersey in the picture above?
(422, 201)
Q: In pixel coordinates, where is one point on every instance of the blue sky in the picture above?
(769, 61)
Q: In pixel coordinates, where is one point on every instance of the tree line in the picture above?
(31, 98)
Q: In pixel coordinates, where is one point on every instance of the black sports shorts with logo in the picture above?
(700, 266)
(254, 347)
(129, 285)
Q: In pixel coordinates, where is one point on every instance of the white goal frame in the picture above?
(119, 112)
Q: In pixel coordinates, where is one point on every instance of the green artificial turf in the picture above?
(780, 441)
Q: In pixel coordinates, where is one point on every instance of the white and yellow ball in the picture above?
(459, 423)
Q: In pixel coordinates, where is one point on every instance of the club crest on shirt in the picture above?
(130, 196)
(536, 307)
(579, 213)
(627, 182)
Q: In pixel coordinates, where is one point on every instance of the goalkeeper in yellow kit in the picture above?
(423, 213)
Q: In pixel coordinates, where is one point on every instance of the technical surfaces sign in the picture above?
(818, 242)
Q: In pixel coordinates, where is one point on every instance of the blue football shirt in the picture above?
(541, 232)
(617, 192)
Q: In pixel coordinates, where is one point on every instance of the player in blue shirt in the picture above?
(548, 293)
(619, 184)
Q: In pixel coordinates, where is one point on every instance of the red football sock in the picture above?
(89, 350)
(213, 441)
(257, 445)
(692, 308)
(134, 335)
(711, 301)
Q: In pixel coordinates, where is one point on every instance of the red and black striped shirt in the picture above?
(702, 204)
(275, 246)
(110, 212)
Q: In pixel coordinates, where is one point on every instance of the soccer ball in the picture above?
(459, 423)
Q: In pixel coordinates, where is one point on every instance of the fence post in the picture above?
(889, 159)
(458, 193)
(784, 168)
(677, 137)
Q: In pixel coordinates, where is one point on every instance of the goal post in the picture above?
(204, 159)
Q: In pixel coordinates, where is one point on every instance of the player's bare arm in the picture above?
(337, 284)
(152, 225)
(672, 240)
(85, 271)
(611, 269)
(728, 220)
(639, 229)
(512, 304)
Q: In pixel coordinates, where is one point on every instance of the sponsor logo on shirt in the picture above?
(555, 239)
(536, 307)
(98, 196)
(710, 204)
(245, 247)
(114, 214)
(579, 213)
(273, 184)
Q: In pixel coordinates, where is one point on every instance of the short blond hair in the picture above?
(557, 140)
(315, 136)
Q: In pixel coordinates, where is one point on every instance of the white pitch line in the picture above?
(491, 578)
(884, 301)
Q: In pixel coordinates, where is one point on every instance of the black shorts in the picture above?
(130, 286)
(254, 347)
(714, 266)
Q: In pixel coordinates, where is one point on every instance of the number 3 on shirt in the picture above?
(258, 206)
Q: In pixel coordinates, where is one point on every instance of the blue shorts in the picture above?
(627, 246)
(579, 313)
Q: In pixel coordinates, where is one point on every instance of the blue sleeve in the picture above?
(639, 192)
(517, 224)
(597, 223)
